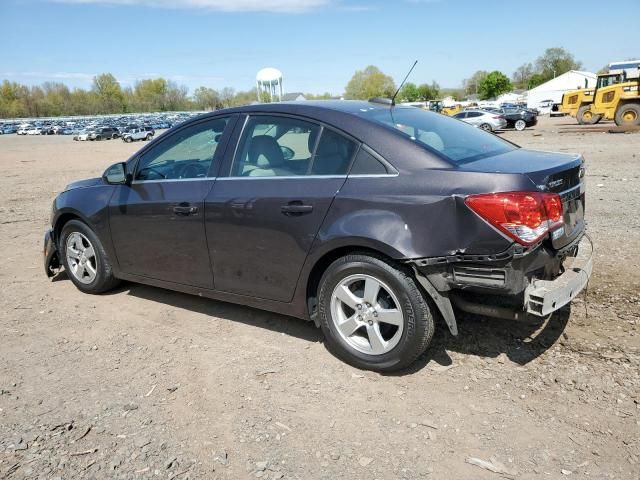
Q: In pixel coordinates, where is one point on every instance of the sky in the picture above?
(317, 44)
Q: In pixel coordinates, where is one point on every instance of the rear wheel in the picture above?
(148, 137)
(486, 127)
(586, 117)
(84, 258)
(520, 125)
(372, 314)
(628, 115)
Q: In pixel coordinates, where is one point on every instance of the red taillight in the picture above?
(524, 216)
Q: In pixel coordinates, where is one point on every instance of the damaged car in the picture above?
(370, 220)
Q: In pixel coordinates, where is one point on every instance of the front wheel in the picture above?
(372, 313)
(520, 125)
(486, 127)
(85, 259)
(628, 115)
(586, 117)
(128, 140)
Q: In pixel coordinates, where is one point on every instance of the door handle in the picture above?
(296, 208)
(185, 210)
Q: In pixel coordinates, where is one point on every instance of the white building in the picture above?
(554, 89)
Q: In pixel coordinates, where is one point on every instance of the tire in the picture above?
(128, 140)
(75, 236)
(520, 125)
(486, 127)
(392, 346)
(586, 117)
(148, 137)
(628, 115)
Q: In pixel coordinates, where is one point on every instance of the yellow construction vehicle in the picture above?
(451, 110)
(577, 103)
(619, 102)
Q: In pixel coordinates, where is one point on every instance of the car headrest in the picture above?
(265, 152)
(218, 125)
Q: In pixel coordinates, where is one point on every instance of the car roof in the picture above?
(347, 116)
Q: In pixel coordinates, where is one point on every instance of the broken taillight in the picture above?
(524, 216)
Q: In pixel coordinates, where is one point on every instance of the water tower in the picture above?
(269, 81)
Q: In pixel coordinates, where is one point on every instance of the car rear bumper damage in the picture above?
(511, 285)
(51, 257)
(543, 297)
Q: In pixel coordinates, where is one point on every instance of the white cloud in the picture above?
(283, 6)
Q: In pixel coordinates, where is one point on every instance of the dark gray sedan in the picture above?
(368, 219)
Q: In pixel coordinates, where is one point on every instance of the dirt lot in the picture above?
(146, 383)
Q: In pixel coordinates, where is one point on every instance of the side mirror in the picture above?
(117, 174)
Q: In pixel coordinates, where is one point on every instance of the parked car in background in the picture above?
(23, 129)
(8, 129)
(34, 131)
(483, 119)
(517, 118)
(149, 129)
(136, 134)
(368, 219)
(104, 133)
(81, 136)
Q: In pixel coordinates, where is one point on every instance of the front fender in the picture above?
(90, 205)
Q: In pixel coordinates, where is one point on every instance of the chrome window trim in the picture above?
(285, 177)
(374, 175)
(165, 180)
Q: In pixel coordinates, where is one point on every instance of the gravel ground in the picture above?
(147, 383)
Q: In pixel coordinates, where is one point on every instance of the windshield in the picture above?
(457, 141)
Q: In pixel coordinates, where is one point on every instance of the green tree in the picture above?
(556, 61)
(206, 98)
(369, 83)
(321, 96)
(535, 80)
(428, 92)
(409, 93)
(493, 85)
(150, 95)
(176, 97)
(472, 85)
(522, 75)
(109, 93)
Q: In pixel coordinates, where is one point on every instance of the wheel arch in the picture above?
(65, 217)
(385, 253)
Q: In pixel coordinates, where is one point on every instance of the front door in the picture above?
(157, 222)
(263, 217)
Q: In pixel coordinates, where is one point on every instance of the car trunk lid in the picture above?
(550, 172)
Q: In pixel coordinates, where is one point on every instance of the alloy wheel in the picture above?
(367, 314)
(81, 258)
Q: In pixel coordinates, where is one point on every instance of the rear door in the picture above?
(263, 217)
(157, 222)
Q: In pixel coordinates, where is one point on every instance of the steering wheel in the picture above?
(148, 170)
(193, 170)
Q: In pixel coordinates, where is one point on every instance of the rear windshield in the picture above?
(457, 141)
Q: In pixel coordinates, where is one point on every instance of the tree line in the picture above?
(107, 96)
(552, 63)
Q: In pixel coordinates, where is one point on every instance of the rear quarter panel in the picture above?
(415, 216)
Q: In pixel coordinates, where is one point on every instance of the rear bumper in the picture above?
(513, 284)
(543, 297)
(51, 257)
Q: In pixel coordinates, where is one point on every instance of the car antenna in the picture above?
(393, 99)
